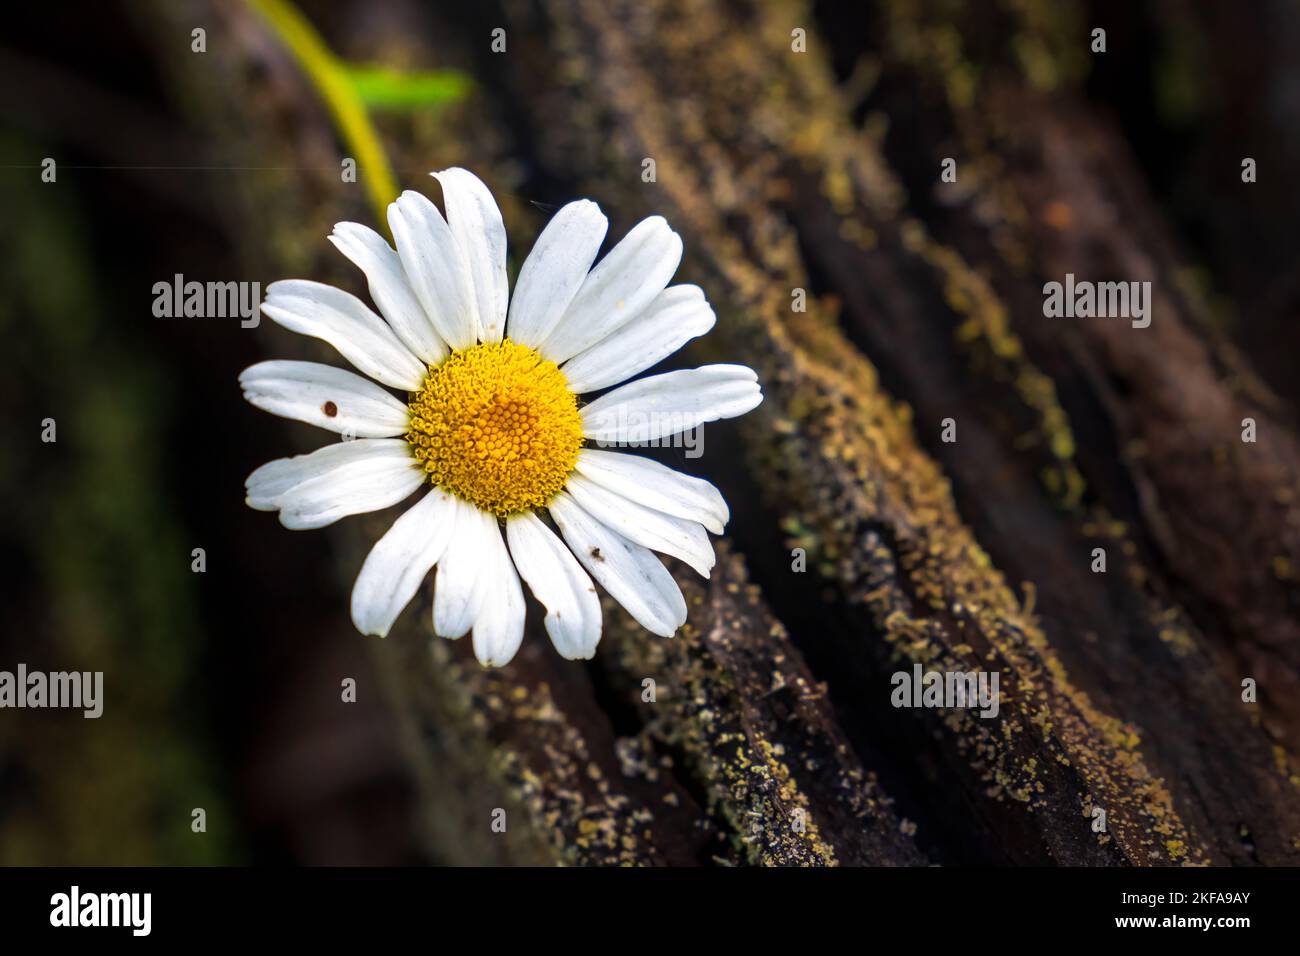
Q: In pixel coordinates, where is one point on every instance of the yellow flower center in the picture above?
(496, 425)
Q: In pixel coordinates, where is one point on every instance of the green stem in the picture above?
(329, 77)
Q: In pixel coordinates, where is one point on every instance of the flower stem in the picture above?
(329, 76)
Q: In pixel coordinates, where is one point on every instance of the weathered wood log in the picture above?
(756, 730)
(1116, 694)
(741, 760)
(748, 137)
(1203, 104)
(1217, 517)
(731, 755)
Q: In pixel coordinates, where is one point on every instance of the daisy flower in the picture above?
(494, 432)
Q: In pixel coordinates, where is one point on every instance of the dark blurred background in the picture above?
(223, 687)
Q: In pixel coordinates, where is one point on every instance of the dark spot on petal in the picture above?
(595, 553)
(330, 409)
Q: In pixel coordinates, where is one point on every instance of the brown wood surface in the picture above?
(771, 738)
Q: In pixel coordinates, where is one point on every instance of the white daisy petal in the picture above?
(380, 479)
(345, 322)
(656, 486)
(677, 315)
(325, 396)
(499, 626)
(554, 271)
(632, 575)
(623, 283)
(556, 579)
(651, 529)
(670, 403)
(397, 303)
(265, 486)
(465, 571)
(476, 225)
(442, 287)
(434, 268)
(399, 562)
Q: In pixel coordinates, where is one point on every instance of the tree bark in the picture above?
(771, 737)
